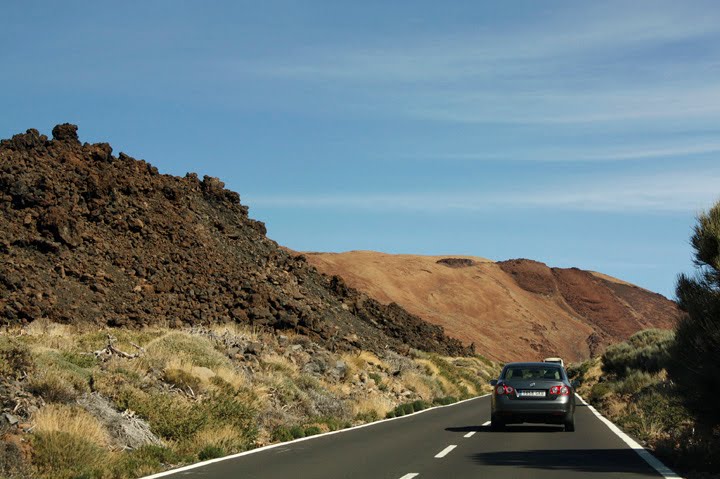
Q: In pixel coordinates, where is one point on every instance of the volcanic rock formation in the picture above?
(86, 236)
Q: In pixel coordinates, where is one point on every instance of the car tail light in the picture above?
(560, 390)
(504, 389)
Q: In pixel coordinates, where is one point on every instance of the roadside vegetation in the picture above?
(127, 403)
(662, 387)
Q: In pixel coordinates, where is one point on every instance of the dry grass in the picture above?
(232, 377)
(279, 363)
(184, 347)
(71, 420)
(241, 331)
(225, 437)
(420, 385)
(228, 408)
(430, 368)
(377, 404)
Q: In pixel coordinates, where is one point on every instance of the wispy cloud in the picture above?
(673, 192)
(567, 70)
(588, 153)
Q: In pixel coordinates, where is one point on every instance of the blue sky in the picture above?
(576, 133)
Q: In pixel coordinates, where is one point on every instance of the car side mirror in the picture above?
(493, 382)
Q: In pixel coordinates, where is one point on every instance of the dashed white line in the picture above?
(486, 423)
(445, 451)
(410, 476)
(470, 434)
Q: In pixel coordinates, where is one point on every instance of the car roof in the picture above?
(533, 365)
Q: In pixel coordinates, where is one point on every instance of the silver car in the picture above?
(534, 393)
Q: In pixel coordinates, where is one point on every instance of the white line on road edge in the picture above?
(661, 468)
(410, 476)
(470, 434)
(445, 451)
(309, 438)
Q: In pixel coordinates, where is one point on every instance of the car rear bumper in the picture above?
(557, 410)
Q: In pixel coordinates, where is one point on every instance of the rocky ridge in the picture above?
(89, 237)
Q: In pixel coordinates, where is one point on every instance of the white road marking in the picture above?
(470, 434)
(486, 423)
(445, 451)
(641, 451)
(410, 476)
(308, 438)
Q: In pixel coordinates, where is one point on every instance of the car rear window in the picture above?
(533, 373)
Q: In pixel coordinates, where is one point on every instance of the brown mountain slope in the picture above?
(88, 237)
(510, 310)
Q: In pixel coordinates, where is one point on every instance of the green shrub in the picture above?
(333, 424)
(282, 434)
(53, 388)
(376, 377)
(210, 452)
(646, 351)
(312, 430)
(59, 455)
(457, 375)
(173, 417)
(297, 432)
(599, 391)
(368, 416)
(15, 358)
(695, 353)
(143, 461)
(444, 401)
(634, 382)
(170, 416)
(84, 361)
(577, 372)
(181, 379)
(419, 405)
(12, 464)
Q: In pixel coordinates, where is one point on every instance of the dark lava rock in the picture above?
(456, 262)
(86, 237)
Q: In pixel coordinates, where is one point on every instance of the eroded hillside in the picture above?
(510, 310)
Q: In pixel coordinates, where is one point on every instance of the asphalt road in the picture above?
(400, 448)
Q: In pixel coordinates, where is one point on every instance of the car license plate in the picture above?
(532, 394)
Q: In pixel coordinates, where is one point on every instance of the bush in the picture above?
(181, 379)
(15, 359)
(281, 434)
(61, 455)
(312, 431)
(444, 401)
(12, 464)
(210, 452)
(646, 351)
(599, 391)
(697, 337)
(173, 417)
(635, 382)
(367, 416)
(297, 432)
(53, 388)
(419, 405)
(143, 461)
(84, 361)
